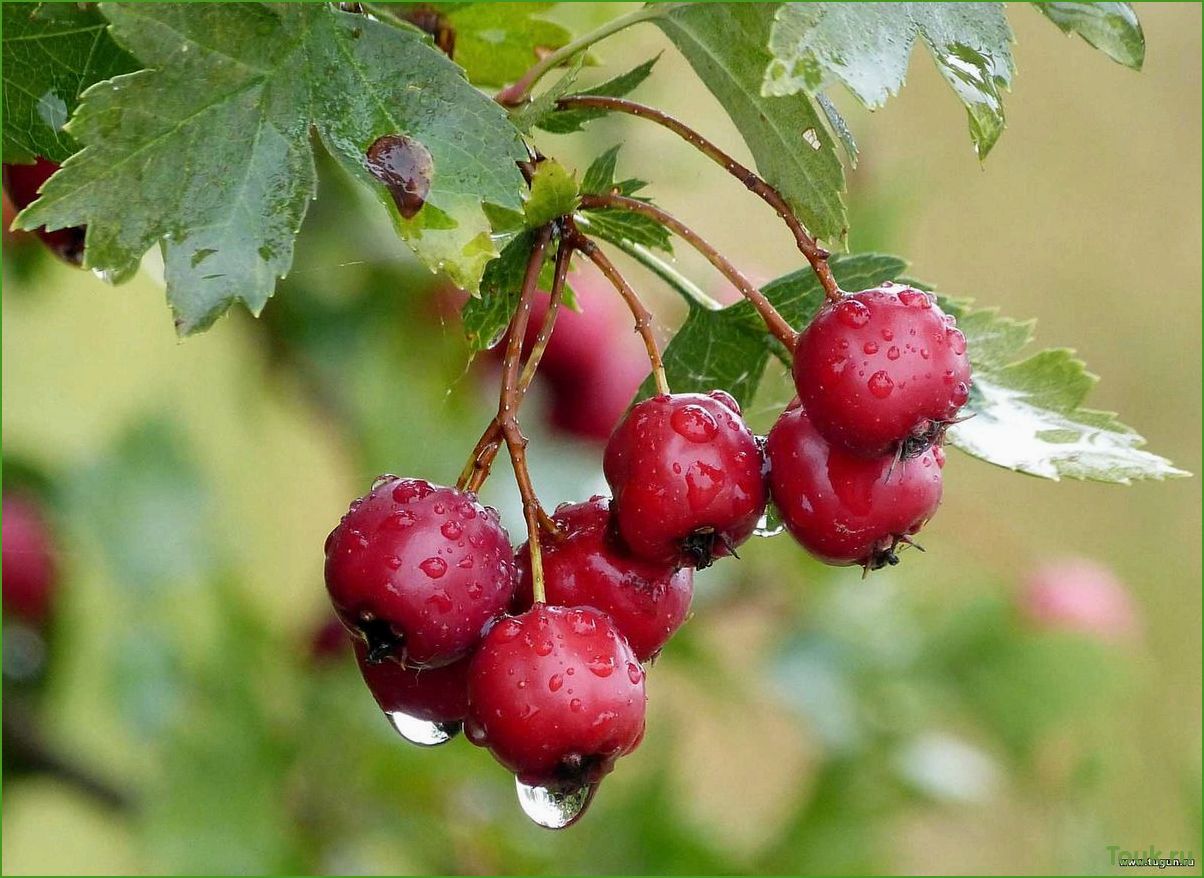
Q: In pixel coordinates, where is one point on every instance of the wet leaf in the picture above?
(487, 316)
(52, 53)
(1112, 28)
(226, 209)
(866, 46)
(725, 44)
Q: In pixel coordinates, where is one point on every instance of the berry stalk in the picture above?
(774, 322)
(643, 317)
(816, 255)
(508, 403)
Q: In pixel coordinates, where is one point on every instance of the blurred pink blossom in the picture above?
(1078, 594)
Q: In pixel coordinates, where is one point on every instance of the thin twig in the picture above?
(643, 317)
(480, 462)
(774, 321)
(816, 255)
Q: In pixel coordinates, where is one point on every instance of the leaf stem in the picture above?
(515, 94)
(816, 255)
(643, 317)
(774, 322)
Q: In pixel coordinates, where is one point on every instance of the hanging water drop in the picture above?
(422, 732)
(554, 809)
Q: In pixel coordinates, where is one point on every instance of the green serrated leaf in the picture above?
(52, 53)
(615, 225)
(544, 104)
(725, 44)
(1112, 28)
(866, 46)
(222, 170)
(568, 121)
(554, 193)
(497, 43)
(1027, 414)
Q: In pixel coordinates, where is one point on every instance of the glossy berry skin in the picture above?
(28, 557)
(438, 695)
(588, 567)
(844, 508)
(557, 696)
(22, 183)
(882, 367)
(687, 478)
(418, 571)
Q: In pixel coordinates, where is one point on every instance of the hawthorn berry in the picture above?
(557, 696)
(28, 560)
(842, 507)
(687, 478)
(436, 695)
(882, 367)
(22, 183)
(418, 570)
(588, 566)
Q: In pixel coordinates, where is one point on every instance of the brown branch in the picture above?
(774, 321)
(816, 255)
(643, 317)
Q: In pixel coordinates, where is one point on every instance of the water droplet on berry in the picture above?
(543, 647)
(411, 489)
(634, 673)
(880, 384)
(583, 624)
(576, 704)
(553, 809)
(892, 354)
(960, 394)
(853, 313)
(601, 665)
(422, 732)
(871, 347)
(767, 528)
(382, 480)
(465, 563)
(466, 510)
(703, 482)
(441, 601)
(887, 335)
(957, 341)
(393, 562)
(452, 529)
(433, 567)
(914, 299)
(924, 353)
(555, 682)
(694, 423)
(398, 520)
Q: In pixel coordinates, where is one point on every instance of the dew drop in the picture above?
(411, 489)
(382, 480)
(508, 629)
(880, 384)
(960, 394)
(406, 167)
(583, 624)
(466, 510)
(452, 529)
(887, 335)
(914, 299)
(575, 705)
(433, 567)
(871, 347)
(703, 483)
(555, 682)
(634, 673)
(852, 313)
(601, 665)
(957, 341)
(542, 647)
(422, 732)
(892, 354)
(694, 423)
(768, 527)
(393, 562)
(554, 809)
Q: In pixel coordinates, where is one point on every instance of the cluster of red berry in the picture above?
(449, 631)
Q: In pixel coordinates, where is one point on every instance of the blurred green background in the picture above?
(804, 720)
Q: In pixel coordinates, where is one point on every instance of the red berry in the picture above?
(22, 183)
(590, 407)
(881, 367)
(1081, 595)
(588, 567)
(28, 560)
(557, 695)
(687, 478)
(844, 508)
(418, 570)
(328, 641)
(437, 695)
